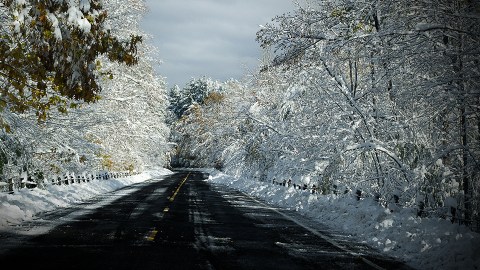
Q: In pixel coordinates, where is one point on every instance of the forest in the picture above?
(377, 99)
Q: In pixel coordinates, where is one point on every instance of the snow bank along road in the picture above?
(182, 222)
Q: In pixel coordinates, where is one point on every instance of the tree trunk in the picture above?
(462, 90)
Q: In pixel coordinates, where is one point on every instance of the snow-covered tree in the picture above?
(49, 53)
(201, 133)
(380, 97)
(195, 92)
(123, 129)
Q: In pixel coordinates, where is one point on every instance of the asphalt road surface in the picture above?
(181, 222)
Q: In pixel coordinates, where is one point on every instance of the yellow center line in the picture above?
(179, 187)
(152, 235)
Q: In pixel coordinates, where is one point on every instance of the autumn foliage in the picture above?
(49, 52)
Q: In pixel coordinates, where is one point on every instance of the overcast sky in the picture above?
(212, 38)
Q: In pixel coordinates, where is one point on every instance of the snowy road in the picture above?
(182, 222)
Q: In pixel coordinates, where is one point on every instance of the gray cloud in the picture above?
(213, 38)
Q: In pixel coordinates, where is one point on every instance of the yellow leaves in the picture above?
(5, 126)
(96, 98)
(359, 26)
(54, 100)
(106, 161)
(106, 75)
(54, 168)
(18, 84)
(48, 34)
(129, 167)
(213, 98)
(41, 115)
(62, 109)
(34, 61)
(93, 139)
(339, 12)
(3, 104)
(90, 19)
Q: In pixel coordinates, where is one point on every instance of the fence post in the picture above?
(10, 185)
(358, 194)
(421, 207)
(396, 199)
(22, 183)
(478, 223)
(453, 211)
(29, 183)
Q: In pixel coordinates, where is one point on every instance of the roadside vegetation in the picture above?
(78, 92)
(376, 100)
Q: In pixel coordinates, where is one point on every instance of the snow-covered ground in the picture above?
(24, 204)
(423, 243)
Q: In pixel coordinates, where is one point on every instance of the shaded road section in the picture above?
(183, 222)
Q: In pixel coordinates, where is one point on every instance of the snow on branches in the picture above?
(49, 54)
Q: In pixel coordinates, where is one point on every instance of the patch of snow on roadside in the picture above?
(24, 204)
